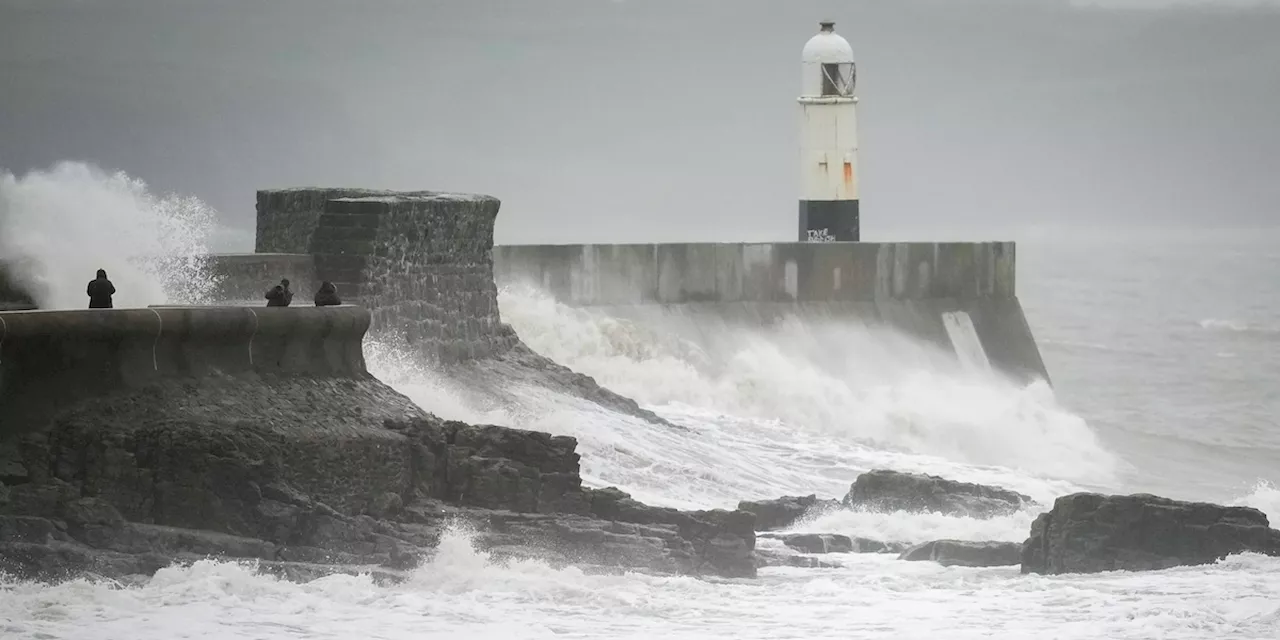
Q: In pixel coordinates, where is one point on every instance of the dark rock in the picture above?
(29, 529)
(775, 559)
(819, 543)
(884, 490)
(835, 543)
(783, 512)
(386, 505)
(91, 511)
(135, 496)
(1090, 532)
(963, 553)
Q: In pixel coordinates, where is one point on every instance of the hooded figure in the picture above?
(100, 291)
(327, 296)
(280, 295)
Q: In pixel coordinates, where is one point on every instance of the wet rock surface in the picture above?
(966, 553)
(885, 490)
(780, 513)
(1090, 532)
(834, 543)
(305, 474)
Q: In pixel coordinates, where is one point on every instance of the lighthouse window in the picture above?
(837, 78)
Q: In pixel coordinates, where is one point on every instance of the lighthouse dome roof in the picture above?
(827, 47)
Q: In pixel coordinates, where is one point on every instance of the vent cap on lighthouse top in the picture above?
(827, 46)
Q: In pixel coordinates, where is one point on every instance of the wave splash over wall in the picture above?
(828, 383)
(58, 226)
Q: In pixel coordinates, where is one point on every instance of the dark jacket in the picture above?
(327, 296)
(279, 296)
(100, 291)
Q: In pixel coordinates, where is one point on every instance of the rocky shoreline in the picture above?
(1081, 532)
(307, 475)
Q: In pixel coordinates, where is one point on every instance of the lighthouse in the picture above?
(828, 139)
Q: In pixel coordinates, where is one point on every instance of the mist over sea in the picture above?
(1128, 146)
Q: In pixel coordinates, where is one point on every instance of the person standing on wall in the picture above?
(327, 296)
(100, 291)
(280, 295)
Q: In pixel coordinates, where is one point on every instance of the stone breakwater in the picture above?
(296, 457)
(422, 263)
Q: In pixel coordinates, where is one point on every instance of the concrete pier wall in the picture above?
(943, 293)
(418, 260)
(48, 358)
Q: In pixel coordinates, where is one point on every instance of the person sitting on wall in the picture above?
(327, 296)
(100, 291)
(280, 295)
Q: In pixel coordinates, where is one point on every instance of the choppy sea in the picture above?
(1164, 351)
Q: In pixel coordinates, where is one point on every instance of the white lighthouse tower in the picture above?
(828, 139)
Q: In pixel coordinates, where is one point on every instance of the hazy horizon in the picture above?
(599, 120)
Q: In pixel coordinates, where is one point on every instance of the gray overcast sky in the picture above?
(636, 120)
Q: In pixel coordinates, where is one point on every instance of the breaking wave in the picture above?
(823, 385)
(59, 226)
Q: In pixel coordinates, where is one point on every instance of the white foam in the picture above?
(1264, 497)
(836, 383)
(461, 592)
(61, 225)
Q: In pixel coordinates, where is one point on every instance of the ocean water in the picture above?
(1163, 351)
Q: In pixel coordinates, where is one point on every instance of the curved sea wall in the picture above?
(48, 358)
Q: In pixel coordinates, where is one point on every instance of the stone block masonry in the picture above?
(419, 260)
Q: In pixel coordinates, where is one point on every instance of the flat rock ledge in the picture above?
(834, 543)
(885, 490)
(781, 513)
(125, 487)
(1091, 532)
(963, 553)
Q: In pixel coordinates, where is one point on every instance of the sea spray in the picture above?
(59, 226)
(835, 382)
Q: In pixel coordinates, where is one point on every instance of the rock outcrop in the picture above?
(1090, 532)
(307, 474)
(964, 553)
(780, 513)
(835, 543)
(885, 490)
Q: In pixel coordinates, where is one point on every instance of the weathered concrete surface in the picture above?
(421, 262)
(48, 358)
(1090, 532)
(908, 286)
(131, 438)
(245, 277)
(418, 260)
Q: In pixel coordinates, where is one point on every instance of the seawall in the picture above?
(418, 260)
(421, 262)
(955, 295)
(53, 359)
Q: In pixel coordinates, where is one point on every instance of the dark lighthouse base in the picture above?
(829, 221)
